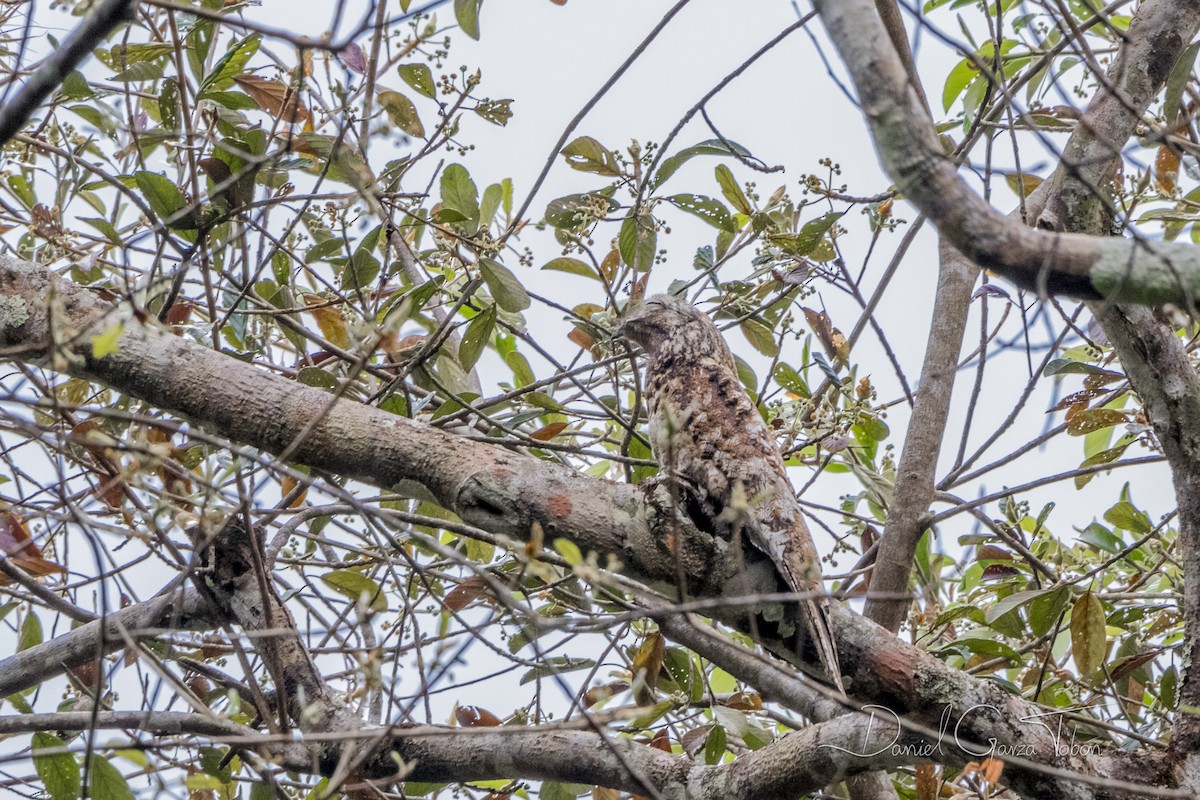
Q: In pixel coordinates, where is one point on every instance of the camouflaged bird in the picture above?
(707, 434)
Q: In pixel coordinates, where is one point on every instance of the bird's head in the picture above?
(660, 319)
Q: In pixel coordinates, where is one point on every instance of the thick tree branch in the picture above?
(48, 320)
(99, 22)
(175, 607)
(1084, 266)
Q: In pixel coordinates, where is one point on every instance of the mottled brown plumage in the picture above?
(708, 435)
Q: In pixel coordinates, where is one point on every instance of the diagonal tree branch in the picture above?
(104, 16)
(45, 319)
(1089, 267)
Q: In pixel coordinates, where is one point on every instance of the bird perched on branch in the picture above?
(709, 437)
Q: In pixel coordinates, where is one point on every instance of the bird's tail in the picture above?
(817, 614)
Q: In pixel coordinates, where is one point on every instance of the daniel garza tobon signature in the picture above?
(1051, 722)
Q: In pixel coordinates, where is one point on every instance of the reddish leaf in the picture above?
(476, 717)
(744, 701)
(1166, 168)
(465, 593)
(14, 537)
(1083, 396)
(276, 98)
(581, 338)
(1127, 665)
(990, 552)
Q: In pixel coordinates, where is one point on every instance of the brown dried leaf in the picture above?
(693, 740)
(991, 769)
(831, 338)
(548, 432)
(990, 552)
(927, 781)
(608, 267)
(465, 593)
(603, 692)
(329, 320)
(1083, 396)
(276, 98)
(744, 701)
(1128, 665)
(15, 539)
(1166, 169)
(582, 338)
(288, 485)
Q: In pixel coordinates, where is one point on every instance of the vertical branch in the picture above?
(913, 491)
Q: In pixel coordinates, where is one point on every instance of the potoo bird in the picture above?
(707, 435)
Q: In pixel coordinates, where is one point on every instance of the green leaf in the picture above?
(572, 265)
(322, 250)
(420, 78)
(574, 212)
(522, 372)
(956, 82)
(141, 71)
(75, 86)
(762, 337)
(402, 113)
(1088, 635)
(1168, 687)
(556, 666)
(231, 64)
(588, 155)
(569, 551)
(787, 377)
(638, 241)
(504, 286)
(105, 227)
(317, 378)
(497, 112)
(162, 193)
(711, 211)
(1062, 366)
(59, 771)
(467, 14)
(810, 235)
(106, 782)
(476, 337)
(1181, 73)
(1126, 516)
(732, 191)
(553, 790)
(1011, 603)
(1043, 611)
(711, 147)
(133, 53)
(714, 745)
(105, 344)
(1099, 536)
(355, 585)
(460, 198)
(493, 195)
